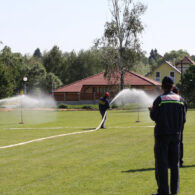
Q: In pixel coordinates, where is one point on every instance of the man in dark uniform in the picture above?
(176, 90)
(103, 106)
(169, 114)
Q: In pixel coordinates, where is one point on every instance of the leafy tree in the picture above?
(52, 82)
(83, 64)
(36, 74)
(37, 53)
(188, 86)
(153, 58)
(53, 61)
(14, 63)
(174, 56)
(121, 38)
(142, 67)
(6, 84)
(193, 57)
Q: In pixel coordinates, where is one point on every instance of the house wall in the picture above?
(165, 70)
(184, 67)
(100, 90)
(88, 94)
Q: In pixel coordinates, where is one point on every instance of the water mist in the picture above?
(31, 108)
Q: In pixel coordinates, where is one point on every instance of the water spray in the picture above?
(31, 103)
(131, 96)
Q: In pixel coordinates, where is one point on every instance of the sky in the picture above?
(74, 24)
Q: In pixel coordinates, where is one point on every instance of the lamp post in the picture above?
(21, 108)
(25, 79)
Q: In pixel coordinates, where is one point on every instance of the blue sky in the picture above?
(74, 24)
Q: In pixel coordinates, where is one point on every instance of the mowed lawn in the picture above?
(118, 160)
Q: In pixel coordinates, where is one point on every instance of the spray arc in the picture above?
(127, 96)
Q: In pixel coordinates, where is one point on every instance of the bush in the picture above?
(114, 106)
(62, 106)
(86, 107)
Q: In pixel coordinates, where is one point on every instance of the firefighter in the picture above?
(169, 115)
(176, 90)
(103, 106)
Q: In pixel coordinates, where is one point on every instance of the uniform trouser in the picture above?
(102, 113)
(164, 145)
(181, 149)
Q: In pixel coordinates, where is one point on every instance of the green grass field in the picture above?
(115, 161)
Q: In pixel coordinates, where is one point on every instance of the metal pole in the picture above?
(21, 109)
(52, 89)
(137, 112)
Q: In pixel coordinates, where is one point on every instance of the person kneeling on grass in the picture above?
(103, 106)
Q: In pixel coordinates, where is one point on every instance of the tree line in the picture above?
(118, 50)
(53, 68)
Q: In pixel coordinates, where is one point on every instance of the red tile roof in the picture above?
(130, 78)
(187, 60)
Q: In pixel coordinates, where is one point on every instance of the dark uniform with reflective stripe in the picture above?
(169, 114)
(103, 106)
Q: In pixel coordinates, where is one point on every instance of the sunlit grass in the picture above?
(115, 161)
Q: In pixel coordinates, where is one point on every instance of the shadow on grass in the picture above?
(187, 166)
(138, 170)
(151, 169)
(88, 129)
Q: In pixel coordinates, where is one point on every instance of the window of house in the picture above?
(157, 76)
(172, 75)
(94, 90)
(101, 91)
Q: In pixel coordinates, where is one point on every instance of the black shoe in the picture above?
(181, 164)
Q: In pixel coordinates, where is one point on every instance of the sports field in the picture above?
(117, 160)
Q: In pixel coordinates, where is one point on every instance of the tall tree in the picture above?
(37, 53)
(36, 74)
(121, 36)
(188, 85)
(173, 56)
(154, 58)
(14, 63)
(53, 61)
(6, 82)
(52, 82)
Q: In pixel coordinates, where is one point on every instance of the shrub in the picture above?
(87, 107)
(114, 106)
(62, 106)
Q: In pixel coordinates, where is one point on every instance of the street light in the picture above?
(25, 79)
(21, 108)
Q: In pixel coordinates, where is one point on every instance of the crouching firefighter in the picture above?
(103, 106)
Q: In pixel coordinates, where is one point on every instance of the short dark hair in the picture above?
(175, 90)
(167, 83)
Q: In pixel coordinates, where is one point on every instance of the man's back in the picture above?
(169, 114)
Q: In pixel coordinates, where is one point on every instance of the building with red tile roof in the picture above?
(93, 87)
(184, 64)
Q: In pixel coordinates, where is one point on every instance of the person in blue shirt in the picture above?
(169, 115)
(103, 106)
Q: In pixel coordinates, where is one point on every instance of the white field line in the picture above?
(45, 138)
(33, 128)
(130, 127)
(62, 135)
